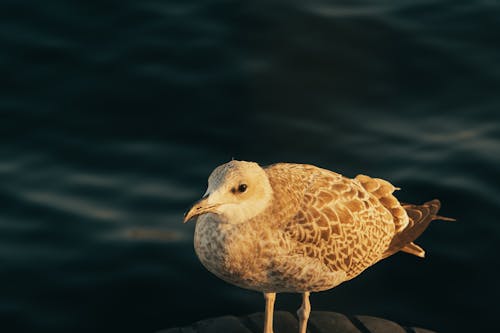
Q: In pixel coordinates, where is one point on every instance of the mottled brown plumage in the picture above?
(300, 228)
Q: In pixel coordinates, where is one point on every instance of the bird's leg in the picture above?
(303, 312)
(268, 319)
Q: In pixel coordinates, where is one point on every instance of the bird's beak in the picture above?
(200, 207)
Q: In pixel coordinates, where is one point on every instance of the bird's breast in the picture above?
(238, 254)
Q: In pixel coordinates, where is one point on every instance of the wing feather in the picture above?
(336, 220)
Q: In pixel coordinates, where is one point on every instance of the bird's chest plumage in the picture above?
(232, 252)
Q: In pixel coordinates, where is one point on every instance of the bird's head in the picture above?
(237, 191)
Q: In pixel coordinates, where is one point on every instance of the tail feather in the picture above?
(414, 249)
(419, 218)
(443, 218)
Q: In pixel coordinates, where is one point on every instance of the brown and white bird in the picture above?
(299, 228)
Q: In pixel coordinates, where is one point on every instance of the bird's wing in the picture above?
(336, 219)
(382, 190)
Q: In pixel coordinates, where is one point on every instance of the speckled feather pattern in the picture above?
(319, 230)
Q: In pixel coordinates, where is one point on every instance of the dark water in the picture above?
(113, 114)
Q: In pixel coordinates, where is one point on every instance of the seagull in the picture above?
(299, 228)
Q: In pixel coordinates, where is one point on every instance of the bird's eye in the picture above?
(242, 188)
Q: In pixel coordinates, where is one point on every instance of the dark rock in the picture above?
(328, 322)
(285, 322)
(379, 325)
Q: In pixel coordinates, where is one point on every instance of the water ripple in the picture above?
(80, 207)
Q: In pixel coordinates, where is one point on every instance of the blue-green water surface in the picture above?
(113, 114)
